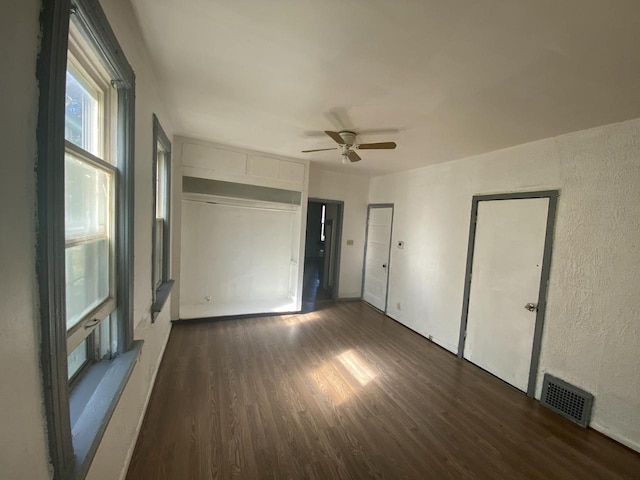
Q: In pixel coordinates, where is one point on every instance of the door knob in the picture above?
(532, 307)
(384, 265)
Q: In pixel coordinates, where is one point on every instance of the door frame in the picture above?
(338, 241)
(552, 195)
(366, 241)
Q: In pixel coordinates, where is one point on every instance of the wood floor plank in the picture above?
(347, 393)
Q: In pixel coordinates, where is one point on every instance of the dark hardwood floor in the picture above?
(345, 392)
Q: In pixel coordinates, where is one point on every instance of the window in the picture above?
(90, 176)
(85, 228)
(161, 251)
(323, 212)
(160, 219)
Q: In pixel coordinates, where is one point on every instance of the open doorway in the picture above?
(322, 252)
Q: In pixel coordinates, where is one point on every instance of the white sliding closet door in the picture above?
(235, 259)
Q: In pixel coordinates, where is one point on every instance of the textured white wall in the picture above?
(353, 190)
(23, 444)
(592, 329)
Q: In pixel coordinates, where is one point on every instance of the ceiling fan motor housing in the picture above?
(349, 138)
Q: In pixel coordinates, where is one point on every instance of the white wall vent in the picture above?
(567, 400)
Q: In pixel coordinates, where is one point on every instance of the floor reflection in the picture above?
(332, 384)
(343, 376)
(356, 366)
(300, 319)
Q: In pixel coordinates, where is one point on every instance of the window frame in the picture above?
(55, 19)
(161, 291)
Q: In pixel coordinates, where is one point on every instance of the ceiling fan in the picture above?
(347, 143)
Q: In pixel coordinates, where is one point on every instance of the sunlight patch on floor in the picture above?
(331, 383)
(343, 376)
(356, 366)
(292, 320)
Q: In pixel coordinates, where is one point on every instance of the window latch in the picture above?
(92, 323)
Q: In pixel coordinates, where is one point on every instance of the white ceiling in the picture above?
(455, 77)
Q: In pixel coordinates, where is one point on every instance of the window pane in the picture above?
(87, 277)
(113, 328)
(158, 252)
(82, 115)
(76, 359)
(87, 199)
(322, 217)
(104, 340)
(160, 183)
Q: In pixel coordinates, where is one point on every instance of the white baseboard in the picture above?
(349, 299)
(451, 348)
(627, 442)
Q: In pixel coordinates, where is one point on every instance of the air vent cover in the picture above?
(569, 401)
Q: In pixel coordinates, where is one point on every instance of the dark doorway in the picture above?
(322, 253)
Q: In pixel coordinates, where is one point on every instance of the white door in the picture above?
(507, 264)
(376, 269)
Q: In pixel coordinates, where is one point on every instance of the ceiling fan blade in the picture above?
(377, 146)
(336, 137)
(354, 157)
(319, 150)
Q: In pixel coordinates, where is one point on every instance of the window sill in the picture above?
(162, 294)
(106, 381)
